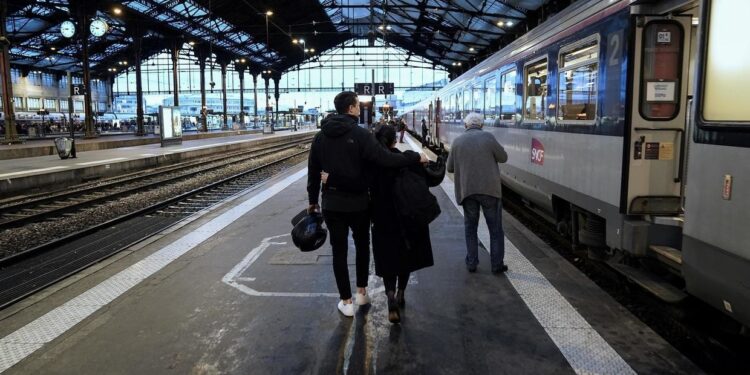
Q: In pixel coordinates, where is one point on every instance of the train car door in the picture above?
(436, 121)
(657, 129)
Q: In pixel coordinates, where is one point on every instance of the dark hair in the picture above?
(386, 135)
(343, 100)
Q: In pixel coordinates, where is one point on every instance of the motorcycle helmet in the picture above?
(309, 234)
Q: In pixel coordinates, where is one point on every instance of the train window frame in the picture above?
(678, 82)
(492, 100)
(503, 74)
(703, 60)
(526, 66)
(562, 68)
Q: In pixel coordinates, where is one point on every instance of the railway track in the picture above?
(25, 272)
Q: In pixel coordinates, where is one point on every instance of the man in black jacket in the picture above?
(343, 149)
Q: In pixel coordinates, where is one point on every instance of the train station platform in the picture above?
(18, 176)
(45, 146)
(227, 293)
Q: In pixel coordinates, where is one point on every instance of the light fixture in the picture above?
(117, 10)
(269, 13)
(242, 60)
(302, 41)
(295, 41)
(53, 48)
(312, 50)
(380, 27)
(500, 23)
(509, 23)
(191, 43)
(471, 49)
(388, 27)
(459, 63)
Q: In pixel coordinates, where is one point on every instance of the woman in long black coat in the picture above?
(399, 247)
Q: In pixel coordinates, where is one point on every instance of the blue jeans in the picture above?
(493, 213)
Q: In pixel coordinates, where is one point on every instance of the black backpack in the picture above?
(414, 202)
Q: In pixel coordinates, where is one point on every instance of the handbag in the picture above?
(435, 171)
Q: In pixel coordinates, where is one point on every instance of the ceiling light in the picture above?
(191, 43)
(302, 41)
(117, 10)
(380, 27)
(500, 23)
(53, 48)
(295, 41)
(471, 49)
(242, 60)
(509, 23)
(269, 13)
(388, 27)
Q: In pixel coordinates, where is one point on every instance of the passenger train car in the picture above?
(627, 123)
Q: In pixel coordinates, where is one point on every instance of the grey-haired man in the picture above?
(474, 159)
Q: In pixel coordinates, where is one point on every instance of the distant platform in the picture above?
(20, 175)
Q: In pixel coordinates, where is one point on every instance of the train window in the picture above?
(63, 105)
(535, 90)
(17, 102)
(508, 96)
(50, 104)
(661, 67)
(576, 95)
(490, 100)
(726, 64)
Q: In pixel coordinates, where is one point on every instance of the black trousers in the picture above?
(338, 226)
(390, 282)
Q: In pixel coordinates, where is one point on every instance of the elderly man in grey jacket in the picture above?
(473, 158)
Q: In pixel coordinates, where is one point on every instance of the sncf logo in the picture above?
(537, 152)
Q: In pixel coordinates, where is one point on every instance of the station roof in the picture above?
(442, 31)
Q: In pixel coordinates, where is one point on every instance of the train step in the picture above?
(660, 288)
(667, 255)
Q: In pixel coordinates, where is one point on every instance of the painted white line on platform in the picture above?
(105, 161)
(233, 277)
(27, 339)
(584, 349)
(31, 171)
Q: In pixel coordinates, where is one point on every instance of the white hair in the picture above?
(474, 120)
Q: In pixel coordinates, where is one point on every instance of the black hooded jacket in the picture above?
(344, 149)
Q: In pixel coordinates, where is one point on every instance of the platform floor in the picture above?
(227, 293)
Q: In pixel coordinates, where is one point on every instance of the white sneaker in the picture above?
(346, 308)
(362, 299)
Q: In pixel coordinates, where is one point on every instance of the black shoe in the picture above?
(502, 268)
(400, 298)
(393, 314)
(471, 269)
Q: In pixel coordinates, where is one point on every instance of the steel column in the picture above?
(175, 74)
(11, 136)
(224, 93)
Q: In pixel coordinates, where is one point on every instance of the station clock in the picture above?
(98, 27)
(67, 29)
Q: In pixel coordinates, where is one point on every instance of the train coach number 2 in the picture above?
(537, 152)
